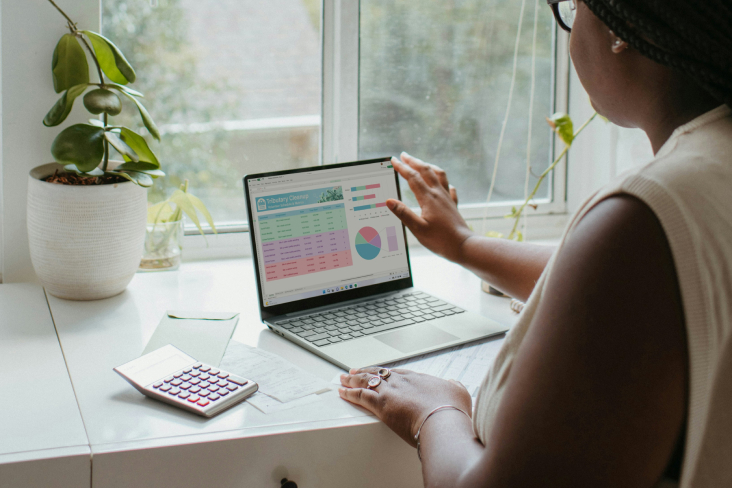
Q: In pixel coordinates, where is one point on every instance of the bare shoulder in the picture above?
(597, 393)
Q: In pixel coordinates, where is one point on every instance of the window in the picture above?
(239, 86)
(234, 86)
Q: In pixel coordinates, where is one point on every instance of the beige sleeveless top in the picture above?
(689, 188)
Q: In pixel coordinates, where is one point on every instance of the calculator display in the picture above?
(153, 366)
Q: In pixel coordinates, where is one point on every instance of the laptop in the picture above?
(332, 268)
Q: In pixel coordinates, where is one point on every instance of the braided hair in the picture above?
(692, 37)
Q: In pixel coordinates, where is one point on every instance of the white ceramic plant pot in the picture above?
(85, 241)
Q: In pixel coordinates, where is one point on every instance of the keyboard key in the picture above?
(322, 342)
(458, 310)
(334, 333)
(306, 333)
(197, 365)
(204, 393)
(158, 384)
(168, 380)
(223, 392)
(296, 330)
(193, 398)
(333, 340)
(203, 403)
(213, 388)
(438, 314)
(176, 382)
(186, 377)
(178, 375)
(194, 389)
(187, 370)
(237, 380)
(445, 306)
(320, 330)
(205, 369)
(185, 386)
(195, 373)
(223, 384)
(213, 397)
(205, 384)
(318, 337)
(214, 372)
(448, 312)
(377, 322)
(346, 336)
(382, 328)
(407, 315)
(165, 388)
(223, 375)
(174, 391)
(418, 319)
(428, 316)
(232, 387)
(195, 381)
(356, 333)
(308, 327)
(203, 377)
(184, 395)
(213, 380)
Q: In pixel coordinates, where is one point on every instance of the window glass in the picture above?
(434, 81)
(234, 86)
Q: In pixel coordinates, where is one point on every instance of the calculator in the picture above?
(171, 376)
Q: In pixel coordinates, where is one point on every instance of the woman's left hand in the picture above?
(404, 399)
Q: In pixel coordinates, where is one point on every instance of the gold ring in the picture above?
(384, 373)
(374, 381)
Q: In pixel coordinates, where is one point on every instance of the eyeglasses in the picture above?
(564, 12)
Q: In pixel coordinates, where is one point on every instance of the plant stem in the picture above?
(71, 22)
(106, 145)
(518, 213)
(94, 57)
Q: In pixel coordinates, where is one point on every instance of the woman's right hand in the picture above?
(440, 227)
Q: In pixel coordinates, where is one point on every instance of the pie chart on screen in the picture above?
(368, 243)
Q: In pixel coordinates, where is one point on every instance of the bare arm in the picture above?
(597, 393)
(512, 267)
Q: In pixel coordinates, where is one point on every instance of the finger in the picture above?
(369, 369)
(457, 383)
(406, 215)
(413, 177)
(453, 194)
(360, 396)
(358, 380)
(424, 169)
(441, 176)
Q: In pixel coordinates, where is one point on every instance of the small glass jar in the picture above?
(163, 246)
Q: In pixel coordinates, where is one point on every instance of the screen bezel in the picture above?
(320, 301)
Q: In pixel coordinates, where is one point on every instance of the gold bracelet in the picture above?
(441, 407)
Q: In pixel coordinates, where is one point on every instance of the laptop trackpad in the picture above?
(416, 338)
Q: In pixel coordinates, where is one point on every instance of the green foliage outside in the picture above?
(331, 195)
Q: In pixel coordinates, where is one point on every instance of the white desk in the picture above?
(138, 442)
(42, 438)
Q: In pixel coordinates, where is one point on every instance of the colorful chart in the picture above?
(368, 243)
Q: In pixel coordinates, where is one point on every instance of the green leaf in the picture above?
(495, 234)
(94, 172)
(69, 64)
(561, 123)
(121, 146)
(138, 178)
(184, 203)
(146, 119)
(139, 145)
(111, 60)
(202, 208)
(80, 144)
(159, 213)
(147, 168)
(63, 106)
(103, 101)
(125, 89)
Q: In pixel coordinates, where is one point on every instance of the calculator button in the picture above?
(158, 384)
(213, 380)
(187, 370)
(195, 389)
(203, 377)
(232, 387)
(214, 372)
(223, 384)
(184, 395)
(168, 380)
(195, 373)
(203, 403)
(204, 393)
(205, 368)
(213, 397)
(185, 377)
(176, 382)
(177, 375)
(223, 375)
(237, 380)
(205, 384)
(185, 386)
(193, 399)
(213, 388)
(165, 388)
(194, 381)
(197, 365)
(174, 391)
(223, 392)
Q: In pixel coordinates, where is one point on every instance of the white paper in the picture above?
(467, 364)
(267, 404)
(180, 314)
(276, 377)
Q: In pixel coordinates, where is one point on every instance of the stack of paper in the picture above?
(282, 385)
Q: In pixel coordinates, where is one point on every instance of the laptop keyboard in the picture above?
(351, 322)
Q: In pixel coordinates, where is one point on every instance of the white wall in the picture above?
(30, 30)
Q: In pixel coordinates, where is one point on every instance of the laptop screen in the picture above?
(325, 231)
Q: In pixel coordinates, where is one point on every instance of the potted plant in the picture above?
(87, 213)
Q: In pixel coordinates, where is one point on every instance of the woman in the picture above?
(615, 374)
